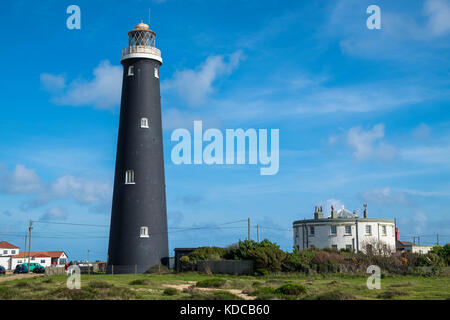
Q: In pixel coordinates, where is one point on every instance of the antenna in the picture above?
(149, 17)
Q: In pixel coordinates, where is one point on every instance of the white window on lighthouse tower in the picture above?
(144, 232)
(129, 177)
(156, 72)
(144, 123)
(131, 71)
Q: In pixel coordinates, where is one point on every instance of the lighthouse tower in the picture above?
(138, 231)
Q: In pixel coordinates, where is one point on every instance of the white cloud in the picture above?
(19, 181)
(26, 181)
(368, 144)
(54, 213)
(422, 131)
(384, 196)
(427, 154)
(194, 86)
(102, 92)
(52, 83)
(438, 12)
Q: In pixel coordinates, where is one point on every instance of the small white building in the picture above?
(7, 251)
(44, 258)
(345, 230)
(407, 246)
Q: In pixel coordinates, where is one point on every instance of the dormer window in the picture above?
(144, 123)
(131, 71)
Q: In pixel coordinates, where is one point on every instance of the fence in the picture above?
(226, 266)
(51, 271)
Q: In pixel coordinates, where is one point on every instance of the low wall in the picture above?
(226, 266)
(50, 271)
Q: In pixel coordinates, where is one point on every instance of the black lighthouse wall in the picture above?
(142, 204)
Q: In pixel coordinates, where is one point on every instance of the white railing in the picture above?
(141, 49)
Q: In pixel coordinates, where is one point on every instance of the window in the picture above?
(348, 247)
(42, 261)
(129, 177)
(5, 251)
(333, 230)
(33, 258)
(13, 251)
(368, 229)
(311, 230)
(131, 71)
(384, 247)
(383, 230)
(348, 230)
(334, 246)
(144, 232)
(19, 261)
(156, 73)
(312, 246)
(144, 123)
(62, 261)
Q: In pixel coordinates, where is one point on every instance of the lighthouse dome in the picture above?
(142, 26)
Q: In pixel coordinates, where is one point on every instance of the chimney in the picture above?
(365, 210)
(333, 213)
(316, 213)
(397, 234)
(320, 213)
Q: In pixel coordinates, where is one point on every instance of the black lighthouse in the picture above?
(138, 233)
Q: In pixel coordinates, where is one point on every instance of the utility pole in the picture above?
(257, 232)
(248, 229)
(30, 228)
(89, 267)
(437, 239)
(25, 250)
(418, 240)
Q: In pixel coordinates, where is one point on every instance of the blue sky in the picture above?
(363, 115)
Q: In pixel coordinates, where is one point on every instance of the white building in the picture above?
(44, 258)
(407, 246)
(7, 251)
(345, 230)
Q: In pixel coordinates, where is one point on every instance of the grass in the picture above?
(203, 286)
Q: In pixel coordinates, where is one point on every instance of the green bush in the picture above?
(99, 284)
(391, 294)
(335, 295)
(211, 283)
(207, 253)
(215, 295)
(158, 269)
(291, 289)
(170, 291)
(139, 282)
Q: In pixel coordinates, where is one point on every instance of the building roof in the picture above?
(7, 245)
(40, 254)
(405, 243)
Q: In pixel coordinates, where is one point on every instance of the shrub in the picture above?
(139, 282)
(335, 295)
(158, 268)
(211, 283)
(100, 284)
(264, 293)
(391, 294)
(291, 289)
(170, 291)
(215, 295)
(207, 253)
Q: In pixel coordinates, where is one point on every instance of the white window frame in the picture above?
(143, 233)
(156, 72)
(312, 232)
(384, 230)
(331, 230)
(144, 123)
(129, 177)
(334, 246)
(346, 229)
(368, 229)
(130, 71)
(348, 246)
